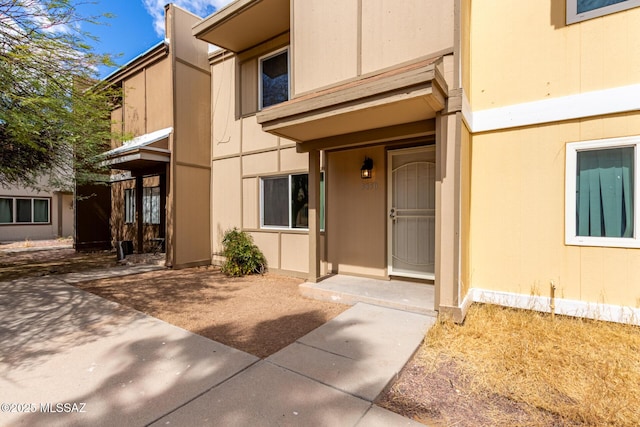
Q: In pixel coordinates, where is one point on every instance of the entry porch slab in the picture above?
(399, 294)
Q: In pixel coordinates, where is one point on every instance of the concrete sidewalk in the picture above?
(61, 345)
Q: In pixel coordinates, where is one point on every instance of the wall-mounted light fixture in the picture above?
(366, 169)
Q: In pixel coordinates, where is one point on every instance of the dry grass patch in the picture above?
(516, 367)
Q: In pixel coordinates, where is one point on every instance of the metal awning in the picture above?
(141, 152)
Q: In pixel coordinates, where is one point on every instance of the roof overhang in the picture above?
(141, 153)
(244, 24)
(407, 95)
(152, 55)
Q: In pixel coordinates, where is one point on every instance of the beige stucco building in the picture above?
(448, 142)
(35, 213)
(303, 93)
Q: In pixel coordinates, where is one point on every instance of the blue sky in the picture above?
(138, 24)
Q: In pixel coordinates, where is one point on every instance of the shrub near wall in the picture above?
(242, 255)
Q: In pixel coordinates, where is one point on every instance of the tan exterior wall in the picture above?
(465, 44)
(147, 100)
(226, 199)
(134, 105)
(190, 175)
(508, 67)
(356, 213)
(158, 112)
(339, 40)
(241, 154)
(117, 125)
(192, 130)
(325, 42)
(517, 223)
(191, 218)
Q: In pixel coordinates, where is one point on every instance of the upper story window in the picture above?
(274, 78)
(581, 10)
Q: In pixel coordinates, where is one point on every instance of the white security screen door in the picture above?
(412, 213)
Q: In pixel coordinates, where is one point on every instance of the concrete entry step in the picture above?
(398, 294)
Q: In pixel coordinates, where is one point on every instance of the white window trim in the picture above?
(573, 16)
(270, 55)
(570, 193)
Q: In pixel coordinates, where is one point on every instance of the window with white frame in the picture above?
(601, 192)
(23, 210)
(150, 205)
(284, 201)
(581, 10)
(274, 78)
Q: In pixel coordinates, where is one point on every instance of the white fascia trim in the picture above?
(597, 103)
(565, 307)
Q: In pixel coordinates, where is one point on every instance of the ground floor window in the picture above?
(22, 210)
(602, 181)
(129, 205)
(284, 201)
(150, 205)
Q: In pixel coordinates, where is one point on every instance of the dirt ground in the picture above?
(28, 259)
(256, 314)
(261, 315)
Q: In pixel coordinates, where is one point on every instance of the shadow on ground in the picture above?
(62, 345)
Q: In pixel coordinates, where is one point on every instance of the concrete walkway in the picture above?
(70, 358)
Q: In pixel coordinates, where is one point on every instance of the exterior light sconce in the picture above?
(366, 169)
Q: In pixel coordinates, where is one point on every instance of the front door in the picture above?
(412, 212)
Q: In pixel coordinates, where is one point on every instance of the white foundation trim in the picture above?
(566, 307)
(596, 103)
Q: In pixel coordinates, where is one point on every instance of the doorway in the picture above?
(411, 212)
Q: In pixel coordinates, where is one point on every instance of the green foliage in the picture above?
(242, 255)
(54, 119)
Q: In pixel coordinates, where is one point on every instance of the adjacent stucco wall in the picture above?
(518, 216)
(523, 52)
(60, 216)
(526, 53)
(331, 47)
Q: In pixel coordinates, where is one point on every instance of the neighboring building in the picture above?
(160, 186)
(554, 92)
(29, 214)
